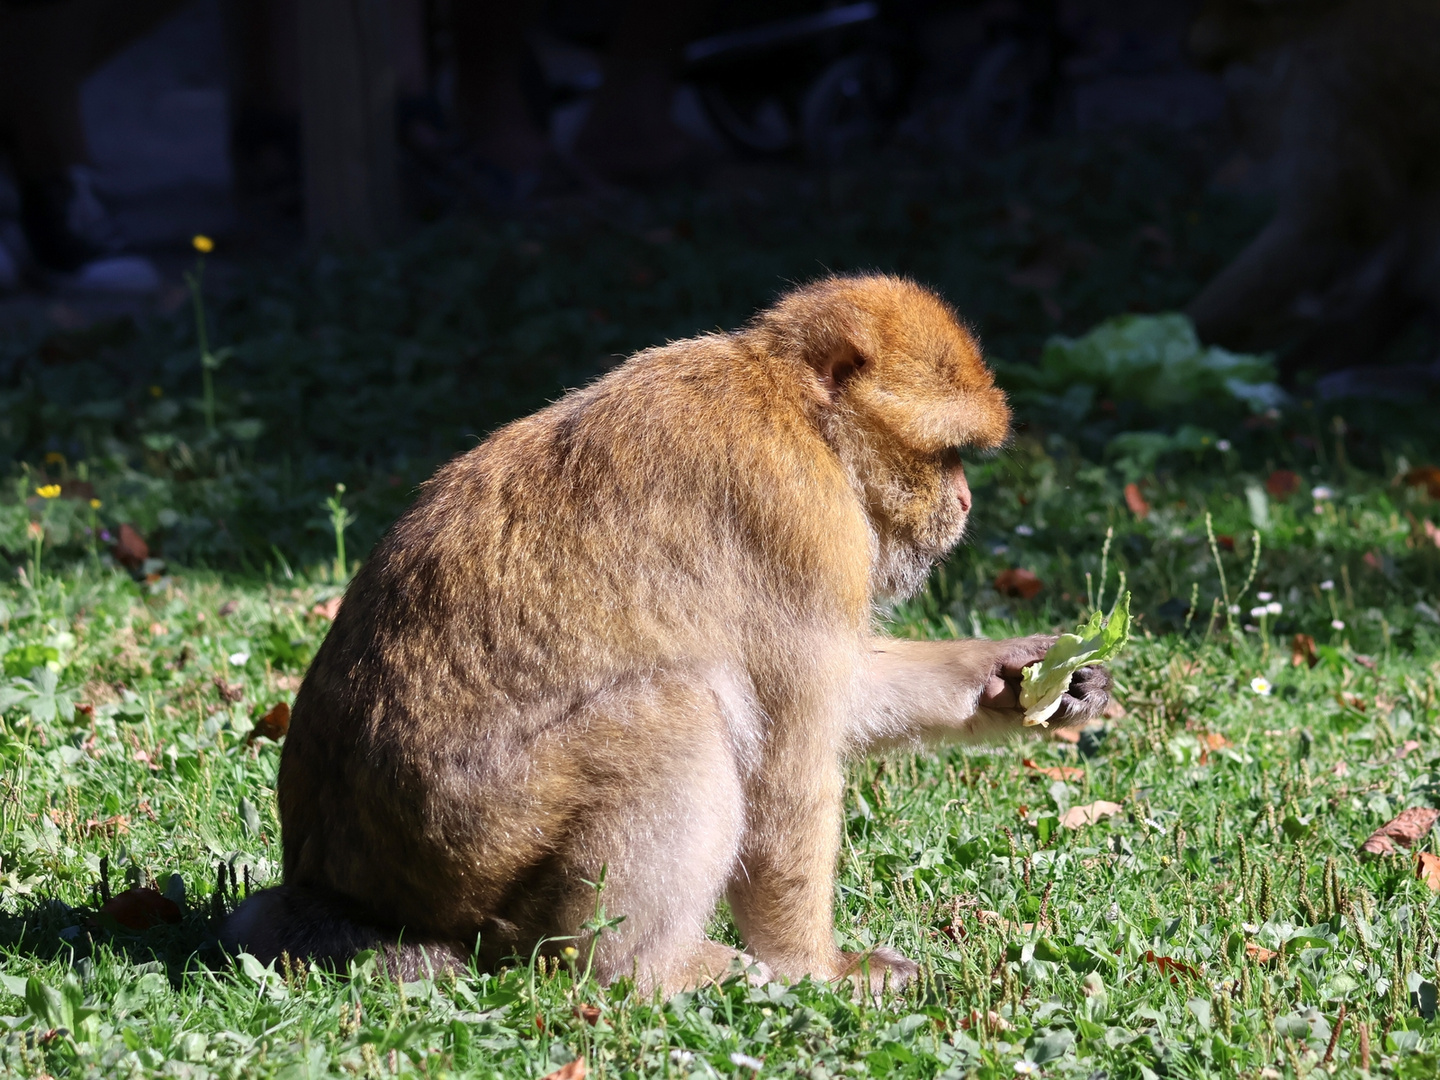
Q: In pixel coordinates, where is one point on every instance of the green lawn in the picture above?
(1215, 924)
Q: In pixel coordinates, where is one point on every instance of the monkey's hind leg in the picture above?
(658, 820)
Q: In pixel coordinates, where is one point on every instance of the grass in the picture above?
(1137, 946)
(1127, 947)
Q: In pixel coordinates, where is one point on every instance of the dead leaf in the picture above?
(1066, 735)
(274, 725)
(1168, 965)
(1259, 953)
(115, 825)
(1136, 501)
(1340, 769)
(1282, 483)
(140, 909)
(1408, 828)
(1018, 582)
(1351, 701)
(1225, 542)
(1077, 817)
(991, 1021)
(589, 1013)
(229, 607)
(1213, 740)
(1055, 772)
(574, 1070)
(1302, 651)
(1427, 869)
(130, 549)
(1426, 476)
(1364, 661)
(229, 693)
(1407, 748)
(328, 610)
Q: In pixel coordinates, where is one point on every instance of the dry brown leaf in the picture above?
(229, 693)
(115, 825)
(1302, 651)
(991, 1021)
(1427, 869)
(1018, 582)
(1259, 953)
(589, 1013)
(1168, 965)
(1407, 748)
(140, 909)
(1426, 476)
(1077, 817)
(1055, 772)
(328, 610)
(1340, 769)
(1213, 740)
(130, 549)
(274, 725)
(1407, 829)
(574, 1070)
(1135, 500)
(1282, 483)
(1066, 735)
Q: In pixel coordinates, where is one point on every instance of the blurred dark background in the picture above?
(430, 216)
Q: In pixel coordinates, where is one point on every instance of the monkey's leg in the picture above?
(783, 891)
(651, 840)
(948, 691)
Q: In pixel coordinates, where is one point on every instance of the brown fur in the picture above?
(1344, 97)
(630, 636)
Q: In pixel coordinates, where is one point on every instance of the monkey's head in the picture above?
(902, 394)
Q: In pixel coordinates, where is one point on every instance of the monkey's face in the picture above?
(906, 396)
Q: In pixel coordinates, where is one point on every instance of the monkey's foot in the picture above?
(712, 962)
(881, 969)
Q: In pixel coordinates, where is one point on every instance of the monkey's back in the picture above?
(621, 533)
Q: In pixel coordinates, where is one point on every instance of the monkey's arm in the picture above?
(947, 691)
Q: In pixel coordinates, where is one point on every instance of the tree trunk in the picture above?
(347, 88)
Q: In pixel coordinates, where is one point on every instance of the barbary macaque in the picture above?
(631, 638)
(1344, 96)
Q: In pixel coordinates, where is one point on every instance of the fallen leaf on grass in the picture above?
(574, 1070)
(1408, 829)
(1168, 965)
(1259, 953)
(1340, 769)
(1351, 701)
(1135, 500)
(1211, 741)
(1426, 476)
(1427, 869)
(1407, 748)
(274, 725)
(1055, 772)
(1018, 582)
(1066, 735)
(130, 549)
(1364, 661)
(1302, 651)
(115, 825)
(140, 909)
(328, 610)
(1077, 817)
(589, 1013)
(990, 1022)
(229, 693)
(1282, 483)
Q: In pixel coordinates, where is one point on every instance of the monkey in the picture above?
(1347, 96)
(612, 661)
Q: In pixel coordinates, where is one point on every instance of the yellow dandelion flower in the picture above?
(54, 457)
(156, 391)
(203, 244)
(95, 504)
(48, 491)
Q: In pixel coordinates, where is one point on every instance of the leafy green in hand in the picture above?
(1043, 684)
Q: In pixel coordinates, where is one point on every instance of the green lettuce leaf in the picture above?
(1043, 684)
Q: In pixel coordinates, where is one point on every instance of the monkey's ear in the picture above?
(837, 366)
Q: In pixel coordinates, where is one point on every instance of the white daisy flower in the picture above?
(239, 659)
(1261, 685)
(1321, 492)
(1026, 1068)
(1327, 585)
(1024, 530)
(1223, 445)
(1264, 597)
(1337, 624)
(1274, 607)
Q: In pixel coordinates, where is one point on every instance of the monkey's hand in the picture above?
(1086, 698)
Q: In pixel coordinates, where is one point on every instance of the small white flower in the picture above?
(1026, 1068)
(1264, 597)
(1258, 612)
(1321, 492)
(1223, 445)
(1234, 609)
(999, 549)
(1113, 912)
(745, 1061)
(1337, 624)
(1250, 927)
(1274, 607)
(1327, 585)
(1024, 530)
(239, 659)
(682, 1057)
(1260, 685)
(1251, 628)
